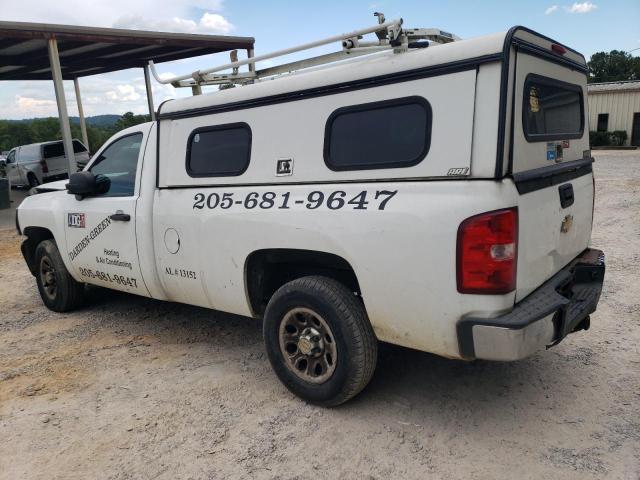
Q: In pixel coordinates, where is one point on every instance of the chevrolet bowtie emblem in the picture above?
(566, 224)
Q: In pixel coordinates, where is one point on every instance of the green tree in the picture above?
(129, 120)
(614, 66)
(14, 133)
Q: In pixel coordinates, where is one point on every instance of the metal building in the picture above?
(615, 106)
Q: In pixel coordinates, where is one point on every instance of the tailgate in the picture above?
(552, 169)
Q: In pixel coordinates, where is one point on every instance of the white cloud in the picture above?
(551, 9)
(100, 94)
(216, 23)
(34, 107)
(123, 93)
(584, 7)
(175, 16)
(208, 23)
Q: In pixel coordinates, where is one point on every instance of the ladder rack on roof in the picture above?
(390, 36)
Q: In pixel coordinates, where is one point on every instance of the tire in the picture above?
(58, 290)
(331, 330)
(33, 180)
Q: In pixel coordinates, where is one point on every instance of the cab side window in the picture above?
(11, 158)
(119, 162)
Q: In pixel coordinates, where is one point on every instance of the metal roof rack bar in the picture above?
(390, 35)
(391, 30)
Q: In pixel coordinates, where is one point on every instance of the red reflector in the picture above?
(487, 252)
(45, 168)
(558, 49)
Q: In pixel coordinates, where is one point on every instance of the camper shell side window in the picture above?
(551, 109)
(388, 134)
(219, 151)
(53, 150)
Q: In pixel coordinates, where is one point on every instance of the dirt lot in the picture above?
(133, 388)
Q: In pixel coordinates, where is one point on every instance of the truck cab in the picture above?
(436, 198)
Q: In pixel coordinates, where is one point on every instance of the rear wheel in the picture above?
(33, 180)
(58, 290)
(319, 340)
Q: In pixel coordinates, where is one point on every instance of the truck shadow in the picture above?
(416, 386)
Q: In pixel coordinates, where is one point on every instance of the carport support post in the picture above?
(56, 72)
(147, 84)
(83, 125)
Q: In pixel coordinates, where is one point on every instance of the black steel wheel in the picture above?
(307, 345)
(33, 180)
(58, 290)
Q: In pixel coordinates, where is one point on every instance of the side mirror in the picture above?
(86, 184)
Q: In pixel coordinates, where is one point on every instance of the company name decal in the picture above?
(92, 235)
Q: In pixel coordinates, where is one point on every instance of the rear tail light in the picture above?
(45, 168)
(559, 49)
(487, 252)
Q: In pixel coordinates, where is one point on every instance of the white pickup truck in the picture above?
(38, 163)
(437, 198)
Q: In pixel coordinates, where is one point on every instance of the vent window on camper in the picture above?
(219, 151)
(552, 110)
(387, 134)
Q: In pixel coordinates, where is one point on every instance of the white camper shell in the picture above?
(440, 198)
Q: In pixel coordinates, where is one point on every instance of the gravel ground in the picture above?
(130, 388)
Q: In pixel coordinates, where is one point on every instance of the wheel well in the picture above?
(267, 270)
(34, 235)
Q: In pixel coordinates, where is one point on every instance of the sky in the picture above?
(587, 26)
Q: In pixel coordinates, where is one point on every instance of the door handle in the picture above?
(566, 195)
(120, 216)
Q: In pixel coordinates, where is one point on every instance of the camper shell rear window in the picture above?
(387, 134)
(552, 110)
(219, 151)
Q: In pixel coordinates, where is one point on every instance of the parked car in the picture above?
(38, 163)
(437, 198)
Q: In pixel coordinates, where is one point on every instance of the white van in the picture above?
(37, 163)
(437, 198)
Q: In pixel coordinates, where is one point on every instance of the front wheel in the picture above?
(59, 291)
(319, 340)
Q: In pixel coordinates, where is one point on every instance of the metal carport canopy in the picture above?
(39, 51)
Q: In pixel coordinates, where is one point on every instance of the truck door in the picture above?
(101, 230)
(13, 174)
